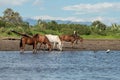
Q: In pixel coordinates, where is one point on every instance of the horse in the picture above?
(44, 40)
(71, 38)
(30, 41)
(56, 40)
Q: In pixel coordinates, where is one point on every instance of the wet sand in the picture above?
(87, 44)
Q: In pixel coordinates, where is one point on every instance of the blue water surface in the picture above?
(55, 65)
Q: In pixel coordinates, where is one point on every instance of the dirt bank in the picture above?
(88, 44)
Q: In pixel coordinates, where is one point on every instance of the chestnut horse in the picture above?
(44, 40)
(30, 41)
(71, 38)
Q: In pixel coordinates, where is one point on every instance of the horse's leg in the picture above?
(72, 44)
(49, 46)
(22, 48)
(34, 48)
(40, 46)
(44, 47)
(54, 45)
(60, 47)
(76, 41)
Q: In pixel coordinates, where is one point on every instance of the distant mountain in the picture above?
(33, 22)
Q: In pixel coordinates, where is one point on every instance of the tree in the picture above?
(53, 25)
(41, 25)
(99, 25)
(17, 17)
(8, 12)
(2, 23)
(11, 16)
(39, 21)
(98, 28)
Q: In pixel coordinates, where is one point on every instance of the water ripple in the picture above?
(55, 65)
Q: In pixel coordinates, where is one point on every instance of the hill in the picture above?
(33, 21)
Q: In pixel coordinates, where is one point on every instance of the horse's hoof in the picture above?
(21, 52)
(34, 52)
(61, 50)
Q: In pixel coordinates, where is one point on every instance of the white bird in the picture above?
(107, 51)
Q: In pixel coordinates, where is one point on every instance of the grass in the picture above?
(94, 36)
(84, 36)
(100, 37)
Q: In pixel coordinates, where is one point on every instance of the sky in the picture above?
(106, 11)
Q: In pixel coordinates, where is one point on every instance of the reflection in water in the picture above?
(56, 65)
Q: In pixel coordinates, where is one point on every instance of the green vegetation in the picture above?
(13, 21)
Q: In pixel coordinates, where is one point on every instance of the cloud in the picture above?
(38, 2)
(74, 19)
(57, 18)
(104, 12)
(12, 2)
(92, 8)
(105, 20)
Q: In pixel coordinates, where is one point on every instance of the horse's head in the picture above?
(81, 39)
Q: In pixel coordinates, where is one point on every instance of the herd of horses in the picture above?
(47, 41)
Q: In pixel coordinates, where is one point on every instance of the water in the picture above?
(55, 65)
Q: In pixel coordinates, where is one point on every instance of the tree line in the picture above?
(13, 20)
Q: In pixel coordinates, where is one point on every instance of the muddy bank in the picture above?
(87, 44)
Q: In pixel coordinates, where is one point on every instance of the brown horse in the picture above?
(30, 41)
(71, 38)
(44, 40)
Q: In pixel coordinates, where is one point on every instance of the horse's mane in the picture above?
(73, 35)
(36, 35)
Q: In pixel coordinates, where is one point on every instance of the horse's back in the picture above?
(25, 39)
(53, 38)
(66, 37)
(43, 39)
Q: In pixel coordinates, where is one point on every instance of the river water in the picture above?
(55, 65)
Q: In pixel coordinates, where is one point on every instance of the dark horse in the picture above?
(34, 41)
(30, 41)
(26, 39)
(71, 38)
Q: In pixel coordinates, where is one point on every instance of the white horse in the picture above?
(56, 40)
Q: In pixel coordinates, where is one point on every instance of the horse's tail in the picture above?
(21, 43)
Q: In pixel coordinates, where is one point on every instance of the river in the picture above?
(55, 65)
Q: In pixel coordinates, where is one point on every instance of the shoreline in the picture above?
(86, 45)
